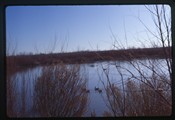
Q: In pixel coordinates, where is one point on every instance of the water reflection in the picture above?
(35, 82)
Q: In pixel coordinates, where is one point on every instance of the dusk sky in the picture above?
(39, 29)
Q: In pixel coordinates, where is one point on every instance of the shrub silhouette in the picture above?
(58, 92)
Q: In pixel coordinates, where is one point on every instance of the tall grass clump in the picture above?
(139, 99)
(59, 92)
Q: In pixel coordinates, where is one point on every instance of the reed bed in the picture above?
(59, 92)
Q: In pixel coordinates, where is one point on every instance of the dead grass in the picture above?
(58, 92)
(140, 95)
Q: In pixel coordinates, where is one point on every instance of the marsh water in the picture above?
(95, 72)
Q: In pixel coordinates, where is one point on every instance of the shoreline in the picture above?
(22, 62)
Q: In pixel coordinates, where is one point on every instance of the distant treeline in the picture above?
(88, 56)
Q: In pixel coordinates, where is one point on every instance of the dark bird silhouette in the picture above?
(87, 91)
(99, 90)
(96, 88)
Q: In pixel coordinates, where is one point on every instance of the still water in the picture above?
(96, 74)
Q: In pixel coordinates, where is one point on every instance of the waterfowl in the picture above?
(96, 88)
(87, 91)
(100, 91)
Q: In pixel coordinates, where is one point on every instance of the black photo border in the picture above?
(6, 3)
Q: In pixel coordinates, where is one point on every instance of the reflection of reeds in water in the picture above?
(58, 92)
(19, 94)
(11, 97)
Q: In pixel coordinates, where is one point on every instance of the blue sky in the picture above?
(42, 29)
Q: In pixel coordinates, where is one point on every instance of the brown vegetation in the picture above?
(22, 62)
(142, 94)
(58, 92)
(139, 99)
